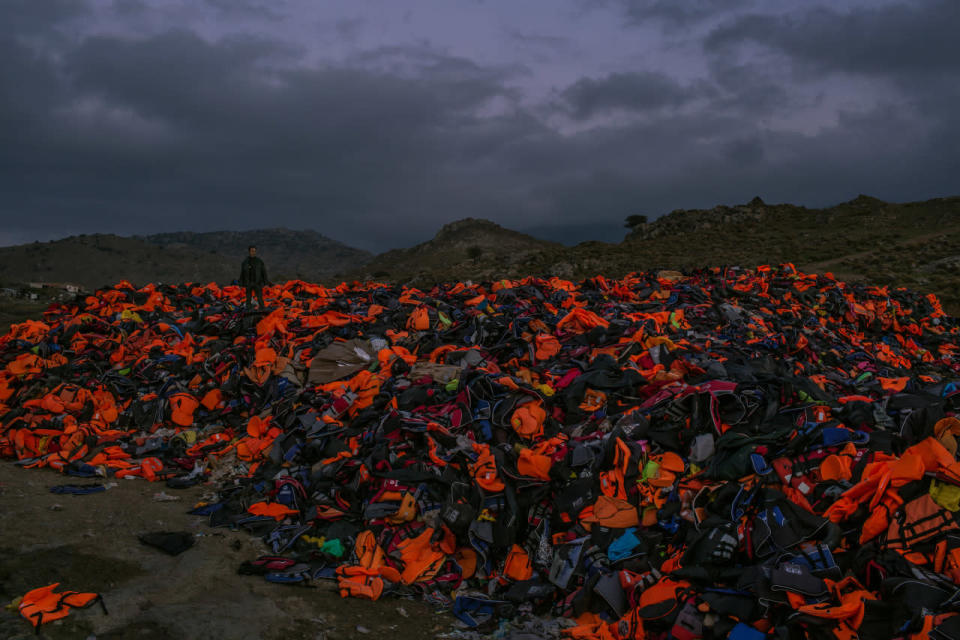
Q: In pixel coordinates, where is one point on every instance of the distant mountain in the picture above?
(913, 244)
(288, 254)
(97, 260)
(469, 248)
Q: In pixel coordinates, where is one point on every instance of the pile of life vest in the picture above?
(730, 452)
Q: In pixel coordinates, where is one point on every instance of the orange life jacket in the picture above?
(43, 604)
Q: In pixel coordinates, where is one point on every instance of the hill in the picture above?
(466, 249)
(913, 244)
(98, 259)
(304, 254)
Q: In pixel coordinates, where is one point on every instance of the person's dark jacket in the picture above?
(253, 273)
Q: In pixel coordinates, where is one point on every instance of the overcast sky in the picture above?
(377, 121)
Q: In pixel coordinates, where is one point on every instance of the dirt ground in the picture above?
(16, 310)
(89, 543)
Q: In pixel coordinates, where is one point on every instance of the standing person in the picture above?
(253, 275)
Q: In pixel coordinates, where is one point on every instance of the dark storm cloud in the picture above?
(31, 17)
(914, 37)
(349, 29)
(748, 88)
(245, 8)
(543, 47)
(173, 124)
(175, 76)
(906, 51)
(458, 82)
(745, 150)
(168, 126)
(630, 91)
(672, 13)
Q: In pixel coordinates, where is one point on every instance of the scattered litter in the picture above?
(165, 497)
